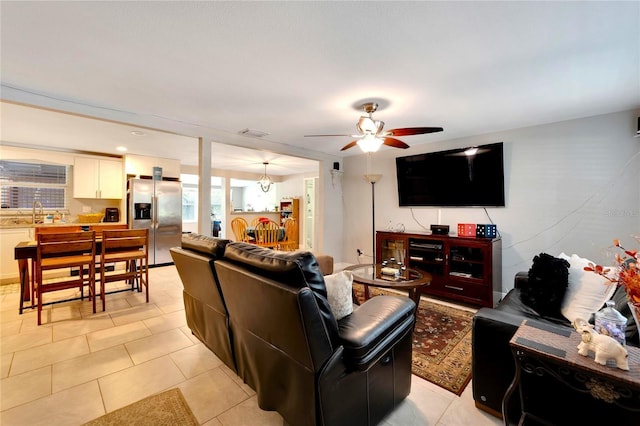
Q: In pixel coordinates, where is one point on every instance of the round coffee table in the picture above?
(410, 279)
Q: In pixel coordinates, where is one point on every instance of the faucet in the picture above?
(36, 203)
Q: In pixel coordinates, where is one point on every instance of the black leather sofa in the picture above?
(493, 364)
(283, 339)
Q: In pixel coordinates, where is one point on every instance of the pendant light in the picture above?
(265, 181)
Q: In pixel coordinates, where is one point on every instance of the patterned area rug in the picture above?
(441, 343)
(168, 408)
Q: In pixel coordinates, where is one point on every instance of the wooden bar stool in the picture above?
(62, 251)
(130, 246)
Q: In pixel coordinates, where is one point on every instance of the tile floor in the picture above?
(78, 365)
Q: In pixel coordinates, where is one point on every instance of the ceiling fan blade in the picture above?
(395, 143)
(349, 145)
(408, 131)
(316, 136)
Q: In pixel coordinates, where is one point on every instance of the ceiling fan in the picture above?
(371, 136)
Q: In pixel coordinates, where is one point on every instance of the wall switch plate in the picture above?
(86, 209)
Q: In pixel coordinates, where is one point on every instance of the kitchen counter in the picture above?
(9, 224)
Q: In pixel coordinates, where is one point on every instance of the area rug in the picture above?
(167, 408)
(441, 343)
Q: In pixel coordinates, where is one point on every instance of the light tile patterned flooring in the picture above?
(78, 365)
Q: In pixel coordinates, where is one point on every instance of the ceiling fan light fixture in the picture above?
(265, 181)
(370, 143)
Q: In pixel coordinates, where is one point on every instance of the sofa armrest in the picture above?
(325, 262)
(493, 365)
(374, 327)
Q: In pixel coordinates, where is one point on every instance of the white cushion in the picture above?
(339, 293)
(586, 292)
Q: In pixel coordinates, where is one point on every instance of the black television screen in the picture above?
(453, 178)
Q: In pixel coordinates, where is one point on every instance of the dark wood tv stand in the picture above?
(466, 269)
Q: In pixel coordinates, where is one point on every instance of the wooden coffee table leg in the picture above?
(414, 294)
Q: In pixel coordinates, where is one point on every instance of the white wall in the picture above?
(331, 211)
(570, 187)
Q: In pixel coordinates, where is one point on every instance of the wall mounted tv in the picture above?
(454, 178)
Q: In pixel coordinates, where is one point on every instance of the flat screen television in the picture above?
(454, 178)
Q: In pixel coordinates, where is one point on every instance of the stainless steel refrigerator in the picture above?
(157, 206)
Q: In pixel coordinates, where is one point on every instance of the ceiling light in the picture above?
(138, 133)
(265, 181)
(370, 143)
(121, 148)
(471, 151)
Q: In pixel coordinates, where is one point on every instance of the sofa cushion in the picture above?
(204, 244)
(547, 284)
(339, 293)
(587, 291)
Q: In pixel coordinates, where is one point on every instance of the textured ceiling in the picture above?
(211, 69)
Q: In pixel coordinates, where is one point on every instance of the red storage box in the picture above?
(466, 229)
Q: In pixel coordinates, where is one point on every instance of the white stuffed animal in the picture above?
(604, 347)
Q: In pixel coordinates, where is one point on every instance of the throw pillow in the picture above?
(339, 293)
(546, 285)
(587, 291)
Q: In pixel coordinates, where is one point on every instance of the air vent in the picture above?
(252, 133)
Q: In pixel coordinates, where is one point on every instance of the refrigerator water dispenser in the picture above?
(142, 211)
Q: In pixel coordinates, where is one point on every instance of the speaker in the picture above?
(440, 229)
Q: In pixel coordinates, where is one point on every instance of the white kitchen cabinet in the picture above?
(97, 178)
(8, 239)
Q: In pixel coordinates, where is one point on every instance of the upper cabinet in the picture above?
(138, 165)
(97, 178)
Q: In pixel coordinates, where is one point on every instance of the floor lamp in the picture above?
(372, 179)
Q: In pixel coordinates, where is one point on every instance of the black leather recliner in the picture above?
(204, 306)
(301, 362)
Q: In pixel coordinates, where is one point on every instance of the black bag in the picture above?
(547, 284)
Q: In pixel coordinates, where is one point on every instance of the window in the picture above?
(190, 198)
(23, 183)
(189, 203)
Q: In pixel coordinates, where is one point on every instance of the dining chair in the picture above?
(239, 227)
(267, 234)
(57, 251)
(128, 246)
(290, 240)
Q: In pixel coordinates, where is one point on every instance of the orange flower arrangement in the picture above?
(627, 273)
